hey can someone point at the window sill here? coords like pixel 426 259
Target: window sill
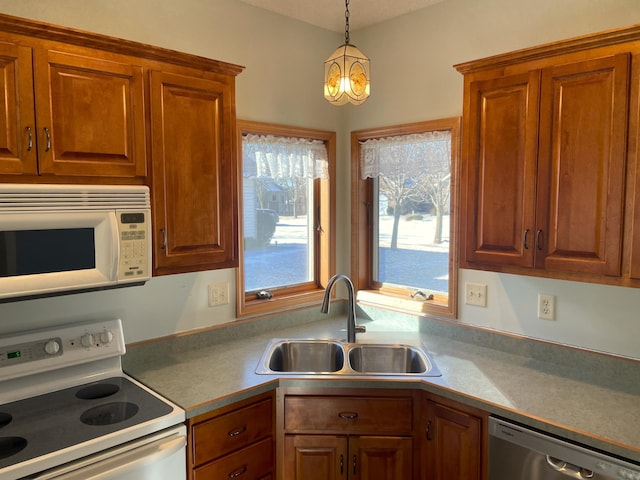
pixel 280 303
pixel 400 303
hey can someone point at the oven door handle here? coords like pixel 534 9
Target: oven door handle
pixel 122 461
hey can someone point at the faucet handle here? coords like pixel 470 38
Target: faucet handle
pixel 361 329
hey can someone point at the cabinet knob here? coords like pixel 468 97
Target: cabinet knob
pixel 524 239
pixel 427 430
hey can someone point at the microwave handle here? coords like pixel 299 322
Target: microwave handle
pixel 115 241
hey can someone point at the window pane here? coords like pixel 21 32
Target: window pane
pixel 412 239
pixel 278 232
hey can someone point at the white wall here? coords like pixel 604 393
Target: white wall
pixel 413 79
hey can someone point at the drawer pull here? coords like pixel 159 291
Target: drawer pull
pixel 427 430
pixel 241 471
pixel 348 415
pixel 237 431
pixel 341 464
pixel 355 463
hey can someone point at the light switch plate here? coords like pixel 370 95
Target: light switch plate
pixel 476 294
pixel 218 294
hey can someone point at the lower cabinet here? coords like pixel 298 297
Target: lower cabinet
pixel 233 442
pixel 453 440
pixel 354 457
pixel 301 433
pixel 364 436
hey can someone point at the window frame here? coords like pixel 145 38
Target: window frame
pixel 363 231
pixel 299 295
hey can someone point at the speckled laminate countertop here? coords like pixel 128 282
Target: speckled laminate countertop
pixel 587 397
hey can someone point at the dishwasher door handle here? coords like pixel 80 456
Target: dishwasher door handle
pixel 568 469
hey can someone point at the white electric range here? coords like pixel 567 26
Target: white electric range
pixel 68 411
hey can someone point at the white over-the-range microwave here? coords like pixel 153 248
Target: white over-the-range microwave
pixel 57 239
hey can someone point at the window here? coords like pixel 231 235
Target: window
pixel 404 191
pixel 287 227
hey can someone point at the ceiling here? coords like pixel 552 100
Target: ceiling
pixel 329 14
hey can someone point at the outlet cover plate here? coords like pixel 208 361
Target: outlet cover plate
pixel 546 306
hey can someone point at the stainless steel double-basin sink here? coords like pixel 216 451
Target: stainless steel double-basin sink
pixel 336 357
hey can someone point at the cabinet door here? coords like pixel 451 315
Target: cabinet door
pixel 498 176
pixel 194 173
pixel 453 444
pixel 380 458
pixel 315 457
pixel 90 115
pixel 582 159
pixel 17 114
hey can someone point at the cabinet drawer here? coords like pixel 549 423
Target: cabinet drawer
pixel 353 415
pixel 226 433
pixel 251 463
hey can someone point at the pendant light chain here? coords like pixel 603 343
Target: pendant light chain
pixel 346 22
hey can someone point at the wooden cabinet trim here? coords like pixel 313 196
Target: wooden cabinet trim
pixel 50 32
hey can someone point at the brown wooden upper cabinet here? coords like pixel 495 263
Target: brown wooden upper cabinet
pixel 547 181
pixel 194 172
pixel 69 111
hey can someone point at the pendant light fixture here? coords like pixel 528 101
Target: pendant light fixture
pixel 346 72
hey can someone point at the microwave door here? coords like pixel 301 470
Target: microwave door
pixel 42 253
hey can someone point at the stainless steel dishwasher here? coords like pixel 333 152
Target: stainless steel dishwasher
pixel 518 453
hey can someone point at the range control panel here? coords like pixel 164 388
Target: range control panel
pixel 48 349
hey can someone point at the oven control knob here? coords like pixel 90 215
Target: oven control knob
pixel 52 347
pixel 106 337
pixel 86 340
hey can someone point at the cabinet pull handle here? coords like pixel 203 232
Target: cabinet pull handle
pixel 524 241
pixel 539 239
pixel 341 464
pixel 427 430
pixel 29 139
pixel 163 234
pixel 348 415
pixel 355 463
pixel 241 471
pixel 47 136
pixel 237 431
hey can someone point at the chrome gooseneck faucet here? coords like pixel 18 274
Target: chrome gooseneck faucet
pixel 351 314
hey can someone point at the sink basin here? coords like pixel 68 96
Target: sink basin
pixel 389 359
pixel 305 356
pixel 335 357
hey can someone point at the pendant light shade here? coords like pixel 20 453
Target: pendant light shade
pixel 346 72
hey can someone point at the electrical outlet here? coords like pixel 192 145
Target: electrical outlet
pixel 546 306
pixel 218 294
pixel 476 294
